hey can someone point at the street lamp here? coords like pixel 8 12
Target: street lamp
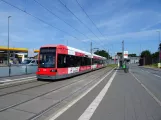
pixel 159 44
pixel 8 41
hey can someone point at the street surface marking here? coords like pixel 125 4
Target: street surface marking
pixel 93 106
pixel 147 71
pixel 16 81
pixel 142 70
pixel 151 73
pixel 150 93
pixel 78 98
pixel 157 75
pixel 9 80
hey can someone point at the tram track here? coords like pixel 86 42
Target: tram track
pixel 55 89
pixel 38 85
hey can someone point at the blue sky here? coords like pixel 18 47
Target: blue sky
pixel 134 21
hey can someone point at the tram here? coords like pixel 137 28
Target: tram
pixel 60 61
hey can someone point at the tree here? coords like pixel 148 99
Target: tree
pixel 159 47
pixel 146 57
pixel 145 53
pixel 155 55
pixel 102 53
pixel 132 55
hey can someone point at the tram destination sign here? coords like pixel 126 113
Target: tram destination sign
pixel 47 50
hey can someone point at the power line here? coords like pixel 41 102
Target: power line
pixel 59 18
pixel 37 18
pixel 78 18
pixel 89 17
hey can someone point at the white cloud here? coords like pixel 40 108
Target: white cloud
pixel 150 26
pixel 141 35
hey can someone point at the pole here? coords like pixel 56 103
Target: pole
pixel 108 56
pixel 91 54
pixel 140 50
pixel 8 48
pixel 122 52
pixel 122 49
pixel 159 44
pixel 8 44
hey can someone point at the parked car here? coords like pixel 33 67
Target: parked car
pixel 30 62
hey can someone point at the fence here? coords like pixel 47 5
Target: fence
pixel 148 61
pixel 17 70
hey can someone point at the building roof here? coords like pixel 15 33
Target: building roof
pixel 4 48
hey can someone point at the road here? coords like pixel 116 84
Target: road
pixel 105 94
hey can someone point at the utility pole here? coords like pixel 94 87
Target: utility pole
pixel 91 54
pixel 159 46
pixel 140 50
pixel 122 50
pixel 108 56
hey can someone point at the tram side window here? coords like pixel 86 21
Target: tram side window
pixel 78 61
pixel 72 61
pixel 87 61
pixel 62 61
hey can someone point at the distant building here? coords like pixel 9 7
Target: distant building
pixel 134 60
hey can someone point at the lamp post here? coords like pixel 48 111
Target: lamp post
pixel 8 49
pixel 8 41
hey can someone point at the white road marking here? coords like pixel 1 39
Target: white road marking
pixel 147 71
pixel 151 73
pixel 6 80
pixel 7 83
pixel 9 80
pixel 157 75
pixel 93 106
pixel 77 99
pixel 150 93
pixel 142 70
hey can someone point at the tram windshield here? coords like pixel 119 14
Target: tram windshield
pixel 47 57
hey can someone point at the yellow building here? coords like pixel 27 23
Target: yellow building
pixel 13 51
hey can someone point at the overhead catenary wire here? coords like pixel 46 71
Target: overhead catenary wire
pixel 60 18
pixel 89 18
pixel 78 19
pixel 38 18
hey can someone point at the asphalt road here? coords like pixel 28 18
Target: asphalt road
pixel 98 95
pixel 131 96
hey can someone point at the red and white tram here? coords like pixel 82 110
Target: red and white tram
pixel 60 61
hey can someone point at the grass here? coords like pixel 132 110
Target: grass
pixel 152 65
pixel 112 65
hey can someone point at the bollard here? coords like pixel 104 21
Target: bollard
pixel 26 69
pixel 9 70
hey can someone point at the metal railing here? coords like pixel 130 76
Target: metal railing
pixel 17 70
